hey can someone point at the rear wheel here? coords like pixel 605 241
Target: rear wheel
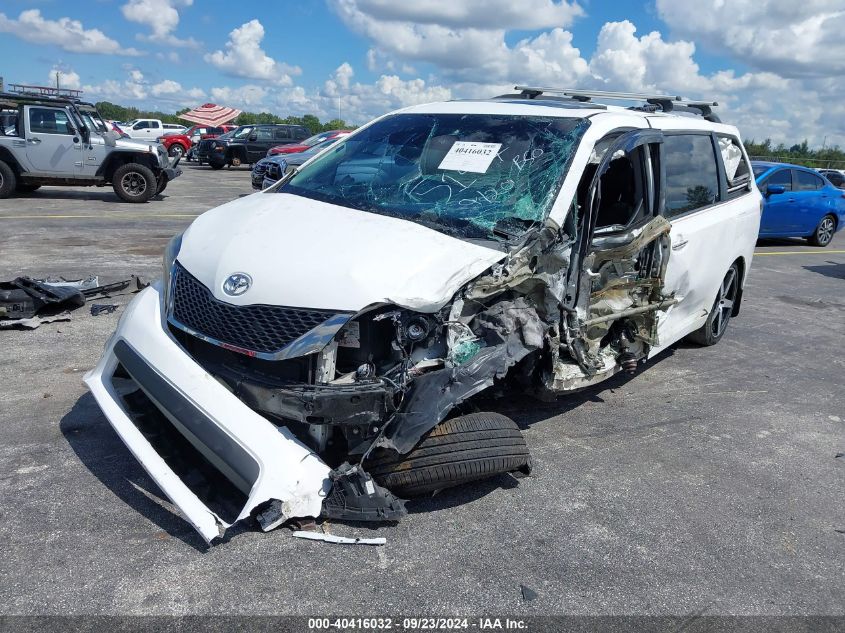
pixel 8 180
pixel 134 183
pixel 717 321
pixel 457 451
pixel 216 165
pixel 823 235
pixel 176 150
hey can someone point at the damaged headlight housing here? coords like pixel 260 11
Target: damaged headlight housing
pixel 168 260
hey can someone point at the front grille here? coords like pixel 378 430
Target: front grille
pixel 259 328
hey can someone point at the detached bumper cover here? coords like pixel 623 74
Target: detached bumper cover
pixel 261 460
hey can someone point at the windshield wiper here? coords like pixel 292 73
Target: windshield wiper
pixel 505 227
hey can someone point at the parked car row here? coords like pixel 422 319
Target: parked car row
pixel 178 144
pixel 269 170
pixel 800 202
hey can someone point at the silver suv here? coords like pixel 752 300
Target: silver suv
pixel 59 140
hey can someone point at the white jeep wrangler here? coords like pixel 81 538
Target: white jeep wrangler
pixel 59 140
pixel 320 347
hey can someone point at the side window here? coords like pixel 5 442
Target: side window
pixel 264 134
pixel 737 172
pixel 302 133
pixel 781 177
pixel 282 134
pixel 141 125
pixel 805 181
pixel 692 179
pixel 155 124
pixel 49 121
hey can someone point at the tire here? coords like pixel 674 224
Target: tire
pixel 217 165
pixel 457 451
pixel 134 183
pixel 25 188
pixel 720 315
pixel 176 150
pixel 823 235
pixel 162 184
pixel 8 180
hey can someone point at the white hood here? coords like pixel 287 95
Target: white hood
pixel 310 254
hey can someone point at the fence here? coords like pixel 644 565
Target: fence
pixel 815 163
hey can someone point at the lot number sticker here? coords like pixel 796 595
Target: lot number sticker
pixel 470 156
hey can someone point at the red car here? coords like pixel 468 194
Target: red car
pixel 179 144
pixel 307 144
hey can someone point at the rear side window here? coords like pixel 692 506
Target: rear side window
pixel 781 177
pixel 282 134
pixel 805 181
pixel 264 134
pixel 737 172
pixel 692 179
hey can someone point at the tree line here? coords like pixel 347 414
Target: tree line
pixel 115 112
pixel 798 154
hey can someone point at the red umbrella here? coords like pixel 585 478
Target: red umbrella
pixel 210 114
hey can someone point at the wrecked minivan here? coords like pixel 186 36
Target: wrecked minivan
pixel 318 349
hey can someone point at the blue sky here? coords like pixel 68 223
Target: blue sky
pixel 369 56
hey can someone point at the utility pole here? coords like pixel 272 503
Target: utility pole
pixel 57 80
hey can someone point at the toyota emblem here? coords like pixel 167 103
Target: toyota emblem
pixel 236 284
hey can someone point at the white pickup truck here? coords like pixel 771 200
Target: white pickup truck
pixel 150 129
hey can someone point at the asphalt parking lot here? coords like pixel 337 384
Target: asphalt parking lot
pixel 706 483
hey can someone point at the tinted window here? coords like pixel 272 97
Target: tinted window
pixel 805 181
pixel 264 134
pixel 692 179
pixel 781 177
pixel 155 124
pixel 282 134
pixel 49 121
pixel 759 170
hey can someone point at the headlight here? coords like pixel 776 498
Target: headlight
pixel 169 259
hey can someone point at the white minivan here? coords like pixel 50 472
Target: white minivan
pixel 319 348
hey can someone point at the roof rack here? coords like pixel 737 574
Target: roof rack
pixel 44 91
pixel 655 102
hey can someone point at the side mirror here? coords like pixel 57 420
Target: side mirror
pixel 774 190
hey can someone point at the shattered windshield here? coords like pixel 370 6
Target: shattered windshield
pixel 476 176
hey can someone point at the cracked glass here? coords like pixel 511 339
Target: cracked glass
pixel 472 176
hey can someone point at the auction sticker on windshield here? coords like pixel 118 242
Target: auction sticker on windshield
pixel 470 156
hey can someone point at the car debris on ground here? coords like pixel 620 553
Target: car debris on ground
pixel 26 303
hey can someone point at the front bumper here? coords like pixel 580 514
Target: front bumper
pixel 263 461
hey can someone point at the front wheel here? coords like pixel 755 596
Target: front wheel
pixel 134 183
pixel 176 150
pixel 455 452
pixel 162 184
pixel 717 321
pixel 823 235
pixel 216 165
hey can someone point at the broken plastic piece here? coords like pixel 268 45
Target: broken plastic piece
pixel 356 497
pixel 24 297
pixel 100 308
pixel 341 540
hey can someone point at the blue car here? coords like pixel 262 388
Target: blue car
pixel 799 202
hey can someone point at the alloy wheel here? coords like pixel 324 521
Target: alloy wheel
pixel 724 303
pixel 825 231
pixel 134 184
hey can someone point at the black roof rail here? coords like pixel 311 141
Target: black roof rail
pixel 655 102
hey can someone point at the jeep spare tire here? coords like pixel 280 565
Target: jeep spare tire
pixel 134 182
pixel 455 452
pixel 8 181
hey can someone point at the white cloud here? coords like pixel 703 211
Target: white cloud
pixel 243 97
pixel 794 40
pixel 173 89
pixel 161 16
pixel 67 78
pixel 244 57
pixel 480 14
pixel 133 88
pixel 66 33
